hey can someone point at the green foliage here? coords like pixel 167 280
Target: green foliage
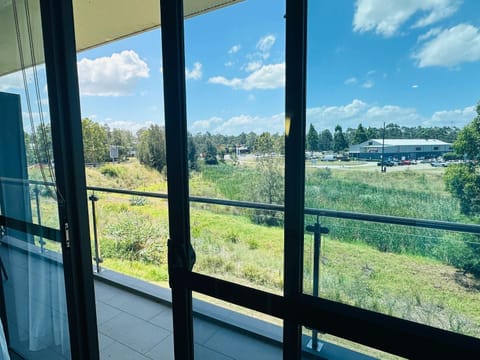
pixel 463 182
pixel 192 153
pixel 151 147
pixel 452 156
pixel 135 237
pixel 138 201
pixel 210 154
pixel 360 135
pixel 95 144
pixel 312 139
pixel 264 144
pixel 110 170
pixel 340 142
pixel 325 140
pixel 468 140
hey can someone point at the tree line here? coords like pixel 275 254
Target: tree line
pixel 148 144
pixel 340 140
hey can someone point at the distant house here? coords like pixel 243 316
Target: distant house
pixel 409 149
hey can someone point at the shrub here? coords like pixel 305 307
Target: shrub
pixel 135 238
pixel 110 171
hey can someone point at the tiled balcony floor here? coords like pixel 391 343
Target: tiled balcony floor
pixel 138 326
pixel 132 327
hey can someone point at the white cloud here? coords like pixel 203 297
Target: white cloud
pixel 385 17
pixel 457 117
pixel 414 86
pixel 195 73
pixel 450 47
pixel 266 43
pixel 229 63
pixel 116 75
pixel 270 76
pixel 429 34
pixel 241 123
pixel 129 125
pixel 234 49
pixel 368 84
pixel 14 81
pixel 327 117
pixel 350 115
pixel 253 65
pixel 351 81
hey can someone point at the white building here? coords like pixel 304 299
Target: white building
pixel 399 149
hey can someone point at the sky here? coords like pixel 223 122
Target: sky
pixel 413 63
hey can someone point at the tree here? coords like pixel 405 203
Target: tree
pixel 312 139
pixel 268 187
pixel 463 182
pixel 264 144
pixel 360 135
pixel 95 144
pixel 124 140
pixel 192 153
pixel 325 140
pixel 210 153
pixel 151 147
pixel 40 144
pixel 340 143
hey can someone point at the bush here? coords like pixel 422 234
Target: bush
pixel 135 238
pixel 110 171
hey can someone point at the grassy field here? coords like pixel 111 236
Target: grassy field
pixel 361 264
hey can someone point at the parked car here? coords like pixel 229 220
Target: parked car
pixel 386 163
pixel 439 164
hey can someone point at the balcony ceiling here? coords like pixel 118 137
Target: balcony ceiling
pixel 96 22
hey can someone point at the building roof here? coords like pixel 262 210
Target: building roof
pixel 404 142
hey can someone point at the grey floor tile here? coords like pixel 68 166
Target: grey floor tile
pixel 105 312
pixel 104 341
pixel 138 306
pixel 105 293
pixel 164 350
pixel 117 351
pixel 134 332
pixel 242 347
pixel 203 330
pixel 203 353
pixel 164 320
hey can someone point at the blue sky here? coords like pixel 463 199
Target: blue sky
pixel 369 61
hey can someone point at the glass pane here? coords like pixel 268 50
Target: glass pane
pixel 224 330
pixel 387 135
pixel 35 317
pixel 235 104
pixel 316 345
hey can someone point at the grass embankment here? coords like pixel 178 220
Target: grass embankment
pixel 133 233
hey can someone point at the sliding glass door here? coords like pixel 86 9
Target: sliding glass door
pixel 46 289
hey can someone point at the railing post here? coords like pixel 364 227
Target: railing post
pixel 39 217
pixel 317 240
pixel 97 258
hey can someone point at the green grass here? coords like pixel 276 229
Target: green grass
pixel 358 263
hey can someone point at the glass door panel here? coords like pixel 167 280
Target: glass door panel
pixel 32 297
pixel 387 225
pixel 235 82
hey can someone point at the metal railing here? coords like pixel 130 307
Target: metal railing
pixel 313 228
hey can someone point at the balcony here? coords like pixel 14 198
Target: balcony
pixel 135 322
